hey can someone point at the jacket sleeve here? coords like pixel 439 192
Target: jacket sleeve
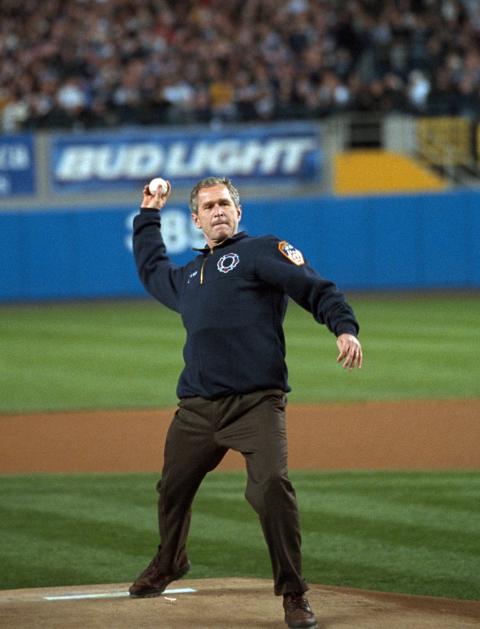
pixel 162 279
pixel 305 286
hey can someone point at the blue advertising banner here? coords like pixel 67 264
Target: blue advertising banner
pixel 102 161
pixel 17 165
pixel 87 253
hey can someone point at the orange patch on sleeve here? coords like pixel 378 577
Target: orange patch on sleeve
pixel 289 251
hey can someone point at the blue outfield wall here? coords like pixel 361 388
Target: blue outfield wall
pixel 362 243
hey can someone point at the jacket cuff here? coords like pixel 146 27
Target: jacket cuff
pixel 346 328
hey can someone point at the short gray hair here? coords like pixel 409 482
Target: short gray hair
pixel 207 183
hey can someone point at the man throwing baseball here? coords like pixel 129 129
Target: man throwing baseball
pixel 232 298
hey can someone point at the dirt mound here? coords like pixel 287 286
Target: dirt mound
pixel 226 604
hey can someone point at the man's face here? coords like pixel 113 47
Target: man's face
pixel 218 216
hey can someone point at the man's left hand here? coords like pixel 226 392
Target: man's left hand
pixel 350 351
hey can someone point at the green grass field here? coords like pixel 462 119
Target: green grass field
pixel 406 532
pixel 403 532
pixel 128 354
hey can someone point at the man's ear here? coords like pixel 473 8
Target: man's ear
pixel 195 220
pixel 239 210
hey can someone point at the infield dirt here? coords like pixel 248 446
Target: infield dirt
pixel 371 435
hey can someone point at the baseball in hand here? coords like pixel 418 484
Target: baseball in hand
pixel 155 183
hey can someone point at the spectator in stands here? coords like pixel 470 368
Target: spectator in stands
pixel 105 62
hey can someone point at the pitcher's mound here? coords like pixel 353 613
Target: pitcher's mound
pixel 225 604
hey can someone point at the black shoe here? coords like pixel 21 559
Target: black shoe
pixel 298 612
pixel 152 582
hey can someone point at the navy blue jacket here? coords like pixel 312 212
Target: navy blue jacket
pixel 232 300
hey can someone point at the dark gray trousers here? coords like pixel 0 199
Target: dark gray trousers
pixel 199 436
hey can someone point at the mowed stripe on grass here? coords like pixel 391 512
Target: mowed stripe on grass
pixel 412 532
pixel 128 354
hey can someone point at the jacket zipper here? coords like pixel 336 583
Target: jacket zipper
pixel 203 265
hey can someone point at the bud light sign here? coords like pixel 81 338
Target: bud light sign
pixel 255 154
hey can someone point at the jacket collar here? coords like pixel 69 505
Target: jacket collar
pixel 224 243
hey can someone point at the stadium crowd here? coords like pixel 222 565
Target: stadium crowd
pixel 101 63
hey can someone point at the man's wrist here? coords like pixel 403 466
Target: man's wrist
pixel 346 330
